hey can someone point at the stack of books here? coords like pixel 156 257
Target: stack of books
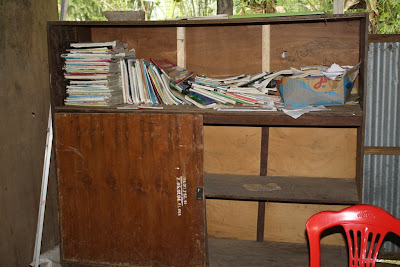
pixel 148 82
pixel 94 74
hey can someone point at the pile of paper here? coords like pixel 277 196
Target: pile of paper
pixel 94 74
pixel 242 92
pixel 253 91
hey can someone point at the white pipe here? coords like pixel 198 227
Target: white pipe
pixel 43 192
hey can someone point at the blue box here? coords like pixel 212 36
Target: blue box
pixel 301 92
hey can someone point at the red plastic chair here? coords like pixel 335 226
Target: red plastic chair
pixel 365 225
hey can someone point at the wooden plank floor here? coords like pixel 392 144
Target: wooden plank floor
pixel 242 253
pixel 235 253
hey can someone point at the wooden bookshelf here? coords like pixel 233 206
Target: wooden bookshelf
pixel 102 181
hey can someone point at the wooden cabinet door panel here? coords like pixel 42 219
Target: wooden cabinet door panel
pixel 127 188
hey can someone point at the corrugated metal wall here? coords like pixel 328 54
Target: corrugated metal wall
pixel 381 172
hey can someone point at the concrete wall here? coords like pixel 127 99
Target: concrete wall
pixel 24 105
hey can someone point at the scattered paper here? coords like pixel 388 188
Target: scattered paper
pixel 150 106
pixel 129 106
pixel 269 106
pixel 334 71
pixel 297 112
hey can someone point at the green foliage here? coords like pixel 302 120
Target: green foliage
pixel 306 5
pixel 385 13
pixel 389 16
pixel 183 8
pixel 83 10
pixel 282 6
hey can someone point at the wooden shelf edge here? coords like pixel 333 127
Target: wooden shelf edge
pixel 338 117
pixel 309 190
pixel 376 150
pixel 205 22
pixel 284 200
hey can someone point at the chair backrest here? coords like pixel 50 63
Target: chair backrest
pixel 365 226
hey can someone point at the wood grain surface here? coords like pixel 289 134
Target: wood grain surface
pixel 315 44
pixel 232 219
pixel 156 42
pixel 313 152
pixel 224 51
pixel 235 150
pixel 117 178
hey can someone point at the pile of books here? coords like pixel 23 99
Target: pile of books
pixel 94 74
pixel 105 74
pixel 244 91
pixel 152 82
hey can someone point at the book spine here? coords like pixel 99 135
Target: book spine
pixel 145 90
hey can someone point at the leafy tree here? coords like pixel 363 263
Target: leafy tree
pixel 384 14
pixel 389 16
pixel 82 10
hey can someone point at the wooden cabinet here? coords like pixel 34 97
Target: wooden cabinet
pixel 128 188
pixel 120 172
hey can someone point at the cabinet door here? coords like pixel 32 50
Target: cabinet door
pixel 128 187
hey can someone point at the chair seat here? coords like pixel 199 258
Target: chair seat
pixel 365 226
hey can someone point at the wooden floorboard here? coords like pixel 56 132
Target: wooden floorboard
pixel 235 253
pixel 243 253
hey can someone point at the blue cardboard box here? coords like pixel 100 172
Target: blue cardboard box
pixel 301 92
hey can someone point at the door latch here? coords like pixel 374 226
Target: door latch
pixel 199 193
